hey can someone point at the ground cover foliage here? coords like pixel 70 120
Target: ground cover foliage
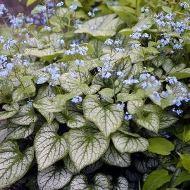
pixel 95 95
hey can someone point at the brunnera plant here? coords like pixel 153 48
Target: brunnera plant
pixel 90 88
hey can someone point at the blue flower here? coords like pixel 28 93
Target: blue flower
pixel 171 80
pixel 79 62
pixel 130 81
pixel 3 9
pixel 106 75
pixel 60 4
pixel 2 40
pixel 16 22
pixel 77 99
pixel 9 44
pixel 184 5
pixel 128 116
pixel 177 111
pixel 136 35
pixel 73 7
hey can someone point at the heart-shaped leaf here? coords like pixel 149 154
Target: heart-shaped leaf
pixel 53 178
pixel 124 143
pixel 122 184
pixel 160 145
pixel 156 179
pixel 25 116
pixel 49 146
pixel 115 158
pixel 86 145
pixel 13 163
pixel 150 122
pixel 101 26
pixel 107 118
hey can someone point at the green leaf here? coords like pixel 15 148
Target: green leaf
pixel 122 184
pixel 150 122
pixel 53 178
pixel 107 118
pixel 182 177
pixel 160 145
pixel 25 116
pixel 156 179
pixel 30 2
pixel 86 146
pixel 101 26
pixel 25 90
pixel 49 146
pixel 185 160
pixel 125 143
pixel 115 158
pixel 13 163
pixel 185 73
pixel 10 111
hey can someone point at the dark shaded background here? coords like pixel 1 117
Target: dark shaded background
pixel 16 6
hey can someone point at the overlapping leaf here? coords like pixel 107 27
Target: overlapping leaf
pixel 49 146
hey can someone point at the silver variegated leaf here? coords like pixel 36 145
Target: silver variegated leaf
pixel 19 131
pixel 122 184
pixel 49 146
pixel 134 106
pixel 86 145
pixel 13 163
pixel 150 122
pixel 102 182
pixel 115 158
pixel 69 165
pixel 166 120
pixel 25 116
pixel 79 182
pixel 25 90
pixel 107 118
pixel 9 111
pixel 101 26
pixel 53 178
pixel 76 120
pixel 124 143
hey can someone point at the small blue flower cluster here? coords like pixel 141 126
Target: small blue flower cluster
pixel 138 35
pixel 184 5
pixel 128 116
pixel 79 62
pixel 77 99
pixel 148 81
pixel 16 22
pixel 130 81
pixel 3 9
pixel 54 72
pixel 106 69
pixel 115 44
pixel 76 49
pixel 5 67
pixel 92 13
pixel 177 111
pixel 168 20
pixel 9 44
